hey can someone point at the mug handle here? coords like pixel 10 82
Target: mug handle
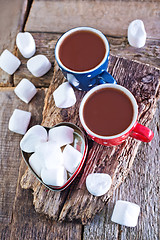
pixel 142 133
pixel 105 77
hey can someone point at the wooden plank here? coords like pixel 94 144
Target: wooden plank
pixel 45 44
pixel 149 54
pixel 143 82
pixel 111 17
pixel 11 21
pixel 10 156
pixel 141 186
pixel 28 224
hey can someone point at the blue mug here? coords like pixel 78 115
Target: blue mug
pixel 85 80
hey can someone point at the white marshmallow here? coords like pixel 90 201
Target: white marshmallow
pixel 98 183
pixel 8 62
pixel 64 96
pixel 25 90
pixel 125 213
pixel 19 121
pixel 34 136
pixel 54 177
pixel 72 157
pixel 62 135
pixel 36 164
pixel 38 65
pixel 136 34
pixel 50 154
pixel 26 44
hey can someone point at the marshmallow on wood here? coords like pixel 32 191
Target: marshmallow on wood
pixel 125 213
pixel 38 65
pixel 25 90
pixel 26 44
pixel 71 157
pixel 36 164
pixel 19 121
pixel 34 136
pixel 98 183
pixel 62 135
pixel 54 177
pixel 50 154
pixel 8 62
pixel 136 34
pixel 64 96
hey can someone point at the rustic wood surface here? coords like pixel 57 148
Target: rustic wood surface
pixel 111 17
pixel 18 218
pixel 77 203
pixel 10 24
pixel 10 156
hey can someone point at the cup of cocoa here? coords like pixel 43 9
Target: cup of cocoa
pixel 82 55
pixel 109 113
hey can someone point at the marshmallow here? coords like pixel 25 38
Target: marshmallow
pixel 98 183
pixel 8 62
pixel 54 177
pixel 50 154
pixel 36 164
pixel 34 136
pixel 25 90
pixel 64 96
pixel 38 65
pixel 19 121
pixel 72 157
pixel 26 44
pixel 125 213
pixel 136 34
pixel 62 135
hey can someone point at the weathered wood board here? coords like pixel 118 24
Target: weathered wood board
pixel 75 203
pixel 111 17
pixel 11 22
pixel 10 155
pixel 31 225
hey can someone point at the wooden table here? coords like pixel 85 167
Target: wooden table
pixel 47 20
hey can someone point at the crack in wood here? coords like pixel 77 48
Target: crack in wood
pixel 28 6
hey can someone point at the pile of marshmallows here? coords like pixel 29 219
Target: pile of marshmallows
pixel 48 160
pixel 44 145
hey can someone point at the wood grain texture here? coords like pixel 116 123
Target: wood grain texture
pixel 111 17
pixel 76 203
pixel 10 24
pixel 149 54
pixel 10 156
pixel 31 225
pixel 142 187
pixel 9 143
pixel 45 44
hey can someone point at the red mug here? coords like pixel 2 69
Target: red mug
pixel 134 129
